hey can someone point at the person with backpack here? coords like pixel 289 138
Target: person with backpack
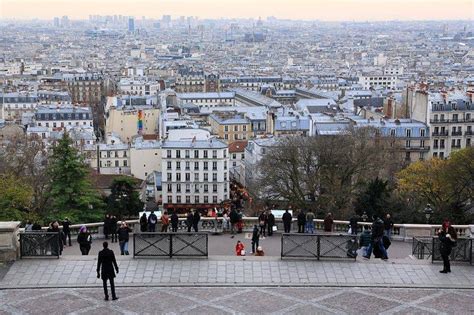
pixel 196 219
pixel 124 236
pixel 301 221
pixel 377 238
pixel 143 223
pixel 287 218
pixel 165 222
pixel 234 219
pixel 255 238
pixel 365 238
pixel 152 220
pixel 174 222
pixel 84 239
pixel 189 221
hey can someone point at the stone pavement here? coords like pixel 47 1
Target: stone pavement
pixel 77 271
pixel 238 300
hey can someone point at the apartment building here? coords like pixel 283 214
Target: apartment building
pixel 56 117
pixel 230 126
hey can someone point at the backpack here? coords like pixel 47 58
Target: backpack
pixel 153 219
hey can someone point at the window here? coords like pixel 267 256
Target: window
pixel 188 188
pixel 196 166
pixel 178 199
pixel 116 163
pixel 186 154
pixel 187 165
pixel 170 188
pixel 214 199
pixel 170 199
pixel 422 132
pixel 196 188
pixel 178 177
pixel 196 199
pixel 206 199
pixel 408 132
pixel 168 165
pixel 441 144
pixel 187 177
pixel 468 117
pixel 196 154
pixel 206 177
pixel 188 199
pixel 225 165
pixel 214 166
pixel 407 143
pixel 244 127
pixel 214 188
pixel 196 177
pixel 205 154
pixel 225 153
pixel 168 154
pixel 206 188
pixel 178 165
pixel 214 154
pixel 214 177
pixel 225 176
pixel 178 187
pixel 168 177
pixel 125 163
pixel 226 128
pixel 206 165
pixel 234 156
pixel 455 117
pixel 178 154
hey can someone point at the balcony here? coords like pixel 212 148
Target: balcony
pixel 440 133
pixel 468 133
pixel 439 121
pixel 413 148
pixel 456 133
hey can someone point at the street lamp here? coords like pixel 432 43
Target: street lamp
pixel 428 212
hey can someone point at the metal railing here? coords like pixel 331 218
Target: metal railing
pixel 461 253
pixel 334 246
pixel 40 244
pixel 422 247
pixel 170 245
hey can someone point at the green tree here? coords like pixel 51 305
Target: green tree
pixel 71 191
pixel 374 199
pixel 124 201
pixel 15 199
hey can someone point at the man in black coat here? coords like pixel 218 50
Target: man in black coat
pixel 107 261
pixel 174 222
pixel 301 221
pixel 287 218
pixel 270 222
pixel 67 231
pixel 196 219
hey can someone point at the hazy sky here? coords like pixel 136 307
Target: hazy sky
pixel 293 9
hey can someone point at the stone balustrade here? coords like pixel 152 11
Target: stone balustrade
pixel 9 243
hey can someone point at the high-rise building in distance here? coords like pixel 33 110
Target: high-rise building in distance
pixel 131 24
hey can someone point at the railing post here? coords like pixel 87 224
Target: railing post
pixel 207 245
pixel 171 245
pixel 134 247
pixel 281 245
pixel 318 246
pixel 432 249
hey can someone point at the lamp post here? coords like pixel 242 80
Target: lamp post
pixel 428 212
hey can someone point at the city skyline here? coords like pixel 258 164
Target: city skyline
pixel 338 10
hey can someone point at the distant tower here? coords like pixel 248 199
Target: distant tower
pixel 131 24
pixel 56 22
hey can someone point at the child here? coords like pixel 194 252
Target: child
pixel 240 249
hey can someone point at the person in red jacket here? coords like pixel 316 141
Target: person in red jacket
pixel 240 249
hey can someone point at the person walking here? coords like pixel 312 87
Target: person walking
pixel 28 226
pixel 189 221
pixel 196 219
pixel 328 223
pixel 107 226
pixel 143 223
pixel 353 223
pixel 174 222
pixel 287 219
pixel 301 219
pixel 56 247
pixel 123 237
pixel 255 238
pixel 447 240
pixel 152 220
pixel 67 231
pixel 113 228
pixel 271 222
pixel 84 239
pixel 388 226
pixel 234 219
pixel 263 221
pixel 365 238
pixel 165 222
pixel 377 239
pixel 310 221
pixel 105 269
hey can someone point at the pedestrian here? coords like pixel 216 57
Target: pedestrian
pixel 447 240
pixel 84 239
pixel 377 238
pixel 36 227
pixel 67 231
pixel 56 247
pixel 287 218
pixel 353 223
pixel 152 220
pixel 234 219
pixel 240 249
pixel 255 238
pixel 328 223
pixel 364 216
pixel 165 222
pixel 310 221
pixel 196 219
pixel 28 226
pixel 263 221
pixel 388 226
pixel 365 238
pixel 143 223
pixel 105 269
pixel 113 228
pixel 225 221
pixel 174 222
pixel 107 226
pixel 260 251
pixel 189 220
pixel 123 237
pixel 271 222
pixel 301 221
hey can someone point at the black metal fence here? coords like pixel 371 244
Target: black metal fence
pixel 461 253
pixel 422 247
pixel 319 246
pixel 170 245
pixel 40 244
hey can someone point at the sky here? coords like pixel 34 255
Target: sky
pixel 326 10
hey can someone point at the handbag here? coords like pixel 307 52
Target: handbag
pixel 274 228
pixel 242 252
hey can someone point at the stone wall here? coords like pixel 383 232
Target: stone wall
pixel 9 243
